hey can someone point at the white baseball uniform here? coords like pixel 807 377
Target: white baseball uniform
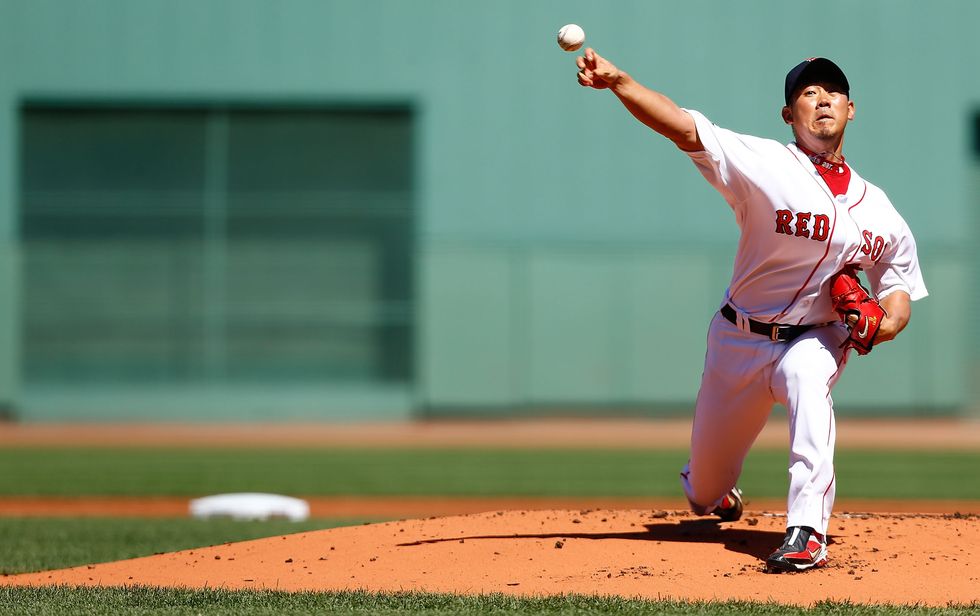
pixel 795 234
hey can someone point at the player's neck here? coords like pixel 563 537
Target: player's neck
pixel 832 169
pixel 831 149
pixel 824 157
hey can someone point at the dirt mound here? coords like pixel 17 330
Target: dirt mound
pixel 926 559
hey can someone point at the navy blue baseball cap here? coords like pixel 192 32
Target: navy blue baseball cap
pixel 820 69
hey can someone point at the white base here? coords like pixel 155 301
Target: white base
pixel 250 506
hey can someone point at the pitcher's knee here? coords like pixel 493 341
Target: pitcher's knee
pixel 701 495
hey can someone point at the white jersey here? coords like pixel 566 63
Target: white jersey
pixel 795 234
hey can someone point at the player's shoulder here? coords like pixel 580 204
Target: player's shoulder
pixel 877 199
pixel 765 144
pixel 873 193
pixel 725 135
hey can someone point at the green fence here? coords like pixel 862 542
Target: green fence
pixel 318 210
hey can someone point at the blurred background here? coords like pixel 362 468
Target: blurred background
pixel 392 209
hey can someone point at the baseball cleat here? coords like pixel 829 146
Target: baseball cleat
pixel 731 507
pixel 802 549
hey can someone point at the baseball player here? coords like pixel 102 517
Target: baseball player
pixel 794 306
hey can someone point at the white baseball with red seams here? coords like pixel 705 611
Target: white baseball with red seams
pixel 795 234
pixel 571 37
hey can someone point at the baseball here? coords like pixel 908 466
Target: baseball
pixel 571 37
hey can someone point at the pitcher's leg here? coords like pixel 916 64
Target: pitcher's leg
pixel 802 381
pixel 732 407
pixel 720 440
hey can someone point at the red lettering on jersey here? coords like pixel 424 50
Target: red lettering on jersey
pixel 878 248
pixel 866 247
pixel 799 225
pixel 783 218
pixel 802 220
pixel 873 246
pixel 821 227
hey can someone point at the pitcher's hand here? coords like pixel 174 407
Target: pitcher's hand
pixel 595 71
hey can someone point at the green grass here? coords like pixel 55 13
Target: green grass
pixel 139 600
pixel 469 472
pixel 38 544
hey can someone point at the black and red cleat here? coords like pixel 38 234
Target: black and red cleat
pixel 802 549
pixel 731 506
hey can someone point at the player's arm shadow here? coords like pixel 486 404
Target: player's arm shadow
pixel 756 543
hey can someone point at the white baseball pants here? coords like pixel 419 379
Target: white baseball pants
pixel 745 374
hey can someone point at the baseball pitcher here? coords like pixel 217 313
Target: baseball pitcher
pixel 795 306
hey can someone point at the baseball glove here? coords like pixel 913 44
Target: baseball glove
pixel 857 309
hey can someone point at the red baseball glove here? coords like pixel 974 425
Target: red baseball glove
pixel 857 309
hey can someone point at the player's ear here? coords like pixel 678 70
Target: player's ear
pixel 850 110
pixel 787 115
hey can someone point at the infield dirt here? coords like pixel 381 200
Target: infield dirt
pixel 875 558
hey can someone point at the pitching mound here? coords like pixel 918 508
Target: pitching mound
pixel 924 559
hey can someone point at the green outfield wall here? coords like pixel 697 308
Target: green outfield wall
pixel 243 209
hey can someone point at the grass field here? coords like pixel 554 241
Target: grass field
pixel 37 544
pixel 43 543
pixel 449 472
pixel 109 602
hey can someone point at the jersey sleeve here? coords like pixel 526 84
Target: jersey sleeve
pixel 727 161
pixel 898 269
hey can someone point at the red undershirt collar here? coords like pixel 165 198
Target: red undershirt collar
pixel 836 175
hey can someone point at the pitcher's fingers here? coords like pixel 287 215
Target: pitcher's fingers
pixel 590 56
pixel 580 62
pixel 583 80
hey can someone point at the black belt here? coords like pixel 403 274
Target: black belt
pixel 772 331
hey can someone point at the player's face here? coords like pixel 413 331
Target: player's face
pixel 819 113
